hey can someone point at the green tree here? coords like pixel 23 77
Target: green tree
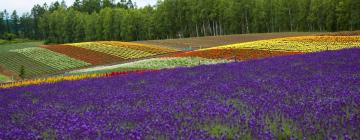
pixel 2 23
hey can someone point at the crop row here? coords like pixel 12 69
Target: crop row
pixel 233 54
pixel 292 45
pixel 156 63
pixel 50 58
pixel 8 47
pixel 52 80
pixel 86 55
pixel 13 61
pixel 142 47
pixel 49 80
pixel 122 52
pixel 343 39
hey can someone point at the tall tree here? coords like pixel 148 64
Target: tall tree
pixel 2 23
pixel 88 20
pixel 37 12
pixel 15 22
pixel 7 22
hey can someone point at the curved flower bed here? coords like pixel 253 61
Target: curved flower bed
pixel 232 54
pixel 52 80
pixel 299 44
pixel 156 63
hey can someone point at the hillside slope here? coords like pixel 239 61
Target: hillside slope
pixel 195 43
pixel 302 96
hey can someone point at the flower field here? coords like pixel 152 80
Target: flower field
pixel 122 51
pixel 86 55
pixel 309 96
pixel 299 44
pixel 51 80
pixel 155 63
pixel 50 58
pixel 232 54
pixel 39 60
pixel 136 46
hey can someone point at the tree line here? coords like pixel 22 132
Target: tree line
pixel 89 20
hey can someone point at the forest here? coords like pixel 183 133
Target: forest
pixel 91 20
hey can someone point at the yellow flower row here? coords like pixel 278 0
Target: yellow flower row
pixel 50 80
pixel 143 47
pixel 298 44
pixel 345 39
pixel 122 52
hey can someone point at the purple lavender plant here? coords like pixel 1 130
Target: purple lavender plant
pixel 311 96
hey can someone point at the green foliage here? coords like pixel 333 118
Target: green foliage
pixel 22 72
pixel 9 36
pixel 15 41
pixel 49 134
pixel 283 128
pixel 90 20
pixel 3 78
pixel 222 131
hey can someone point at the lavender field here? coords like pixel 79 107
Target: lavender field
pixel 309 96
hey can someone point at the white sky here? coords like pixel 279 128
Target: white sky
pixel 22 6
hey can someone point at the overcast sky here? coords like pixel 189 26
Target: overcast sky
pixel 22 6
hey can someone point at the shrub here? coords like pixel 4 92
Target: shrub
pixel 9 36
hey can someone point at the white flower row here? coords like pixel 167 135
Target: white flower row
pixel 157 63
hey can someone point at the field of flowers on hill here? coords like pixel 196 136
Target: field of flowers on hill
pixel 274 47
pixel 237 52
pixel 40 60
pixel 307 96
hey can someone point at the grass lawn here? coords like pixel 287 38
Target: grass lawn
pixel 3 78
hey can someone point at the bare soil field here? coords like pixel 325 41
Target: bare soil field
pixel 213 41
